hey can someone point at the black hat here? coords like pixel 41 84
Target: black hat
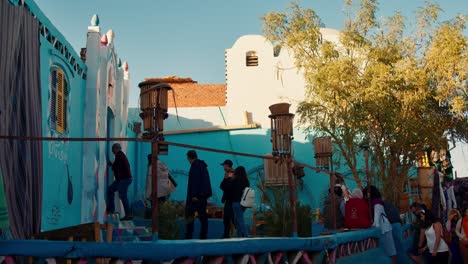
pixel 227 162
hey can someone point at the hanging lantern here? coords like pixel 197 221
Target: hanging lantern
pixel 275 172
pixel 323 150
pixel 154 105
pixel 281 129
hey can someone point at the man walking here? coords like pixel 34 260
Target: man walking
pixel 198 191
pixel 123 178
pixel 228 215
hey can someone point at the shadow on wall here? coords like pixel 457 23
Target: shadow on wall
pixel 252 141
pixel 171 123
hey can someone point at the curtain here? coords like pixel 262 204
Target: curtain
pixel 20 115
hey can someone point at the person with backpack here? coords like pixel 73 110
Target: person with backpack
pixel 393 215
pixel 381 221
pixel 356 211
pixel 233 189
pixel 198 192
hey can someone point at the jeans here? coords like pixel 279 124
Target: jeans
pixel 228 218
pixel 440 258
pixel 455 251
pixel 121 186
pixel 190 208
pixel 239 220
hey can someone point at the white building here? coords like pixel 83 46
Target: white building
pixel 257 77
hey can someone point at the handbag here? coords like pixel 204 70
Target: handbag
pixel 172 180
pixel 446 235
pixel 248 197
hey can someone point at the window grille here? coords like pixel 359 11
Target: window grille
pixel 58 100
pixel 251 59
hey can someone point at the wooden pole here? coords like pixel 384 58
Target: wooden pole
pixel 292 195
pixel 154 174
pixel 366 156
pixel 154 188
pixel 332 192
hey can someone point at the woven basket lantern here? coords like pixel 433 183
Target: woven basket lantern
pixel 323 150
pixel 276 172
pixel 153 99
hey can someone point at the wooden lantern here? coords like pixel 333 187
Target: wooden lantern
pixel 323 150
pixel 276 172
pixel 154 104
pixel 281 129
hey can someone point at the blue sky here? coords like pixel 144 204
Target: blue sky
pixel 188 38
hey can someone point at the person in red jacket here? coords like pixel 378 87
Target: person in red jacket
pixel 357 211
pixel 123 178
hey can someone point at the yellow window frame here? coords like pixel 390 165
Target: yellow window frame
pixel 60 93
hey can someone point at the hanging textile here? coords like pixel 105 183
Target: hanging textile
pixel 3 207
pixel 436 194
pixel 20 115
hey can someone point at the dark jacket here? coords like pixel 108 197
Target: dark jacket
pixel 229 171
pixel 327 213
pixel 199 184
pixel 233 189
pixel 121 167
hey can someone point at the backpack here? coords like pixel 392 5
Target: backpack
pixel 391 212
pixel 248 197
pixel 356 214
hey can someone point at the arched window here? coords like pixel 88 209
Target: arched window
pixel 58 100
pixel 251 58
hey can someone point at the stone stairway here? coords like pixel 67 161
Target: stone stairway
pixel 129 231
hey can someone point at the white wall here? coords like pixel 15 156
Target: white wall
pixel 101 59
pixel 274 80
pixel 460 159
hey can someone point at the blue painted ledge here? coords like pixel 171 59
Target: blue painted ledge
pixel 172 249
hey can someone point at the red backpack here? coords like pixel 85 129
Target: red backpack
pixel 357 214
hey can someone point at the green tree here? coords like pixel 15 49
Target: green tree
pixel 399 88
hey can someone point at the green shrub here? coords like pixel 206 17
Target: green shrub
pixel 278 220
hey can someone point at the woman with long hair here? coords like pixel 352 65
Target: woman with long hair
pixel 233 189
pixel 165 185
pixel 432 232
pixel 381 221
pixel 454 220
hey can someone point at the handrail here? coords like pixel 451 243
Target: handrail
pixel 174 249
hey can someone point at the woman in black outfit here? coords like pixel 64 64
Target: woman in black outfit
pixel 233 188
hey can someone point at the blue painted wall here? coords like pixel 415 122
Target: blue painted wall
pixel 311 188
pixel 57 156
pixel 65 199
pixel 62 166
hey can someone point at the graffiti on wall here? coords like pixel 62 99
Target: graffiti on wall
pixel 54 215
pixel 58 150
